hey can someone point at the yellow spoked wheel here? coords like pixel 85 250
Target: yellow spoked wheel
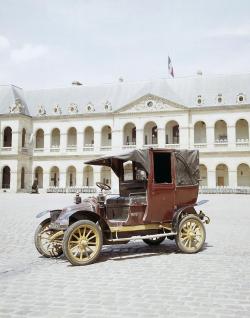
pixel 44 245
pixel 191 234
pixel 82 242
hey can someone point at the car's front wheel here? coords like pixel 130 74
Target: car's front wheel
pixel 191 234
pixel 82 242
pixel 43 243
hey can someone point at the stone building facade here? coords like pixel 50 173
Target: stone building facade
pixel 49 134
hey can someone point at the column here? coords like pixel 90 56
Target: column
pixel 79 177
pixel 63 142
pixel 79 141
pixel 97 138
pixel 161 137
pixel 139 138
pixel 15 141
pixel 231 135
pixel 117 140
pixel 13 180
pixel 184 140
pixel 211 178
pixel 46 142
pixel 114 183
pixel 191 137
pixel 210 136
pixel 46 179
pixel 62 178
pixel 97 174
pixel 232 175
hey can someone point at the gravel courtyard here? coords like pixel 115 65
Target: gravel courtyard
pixel 132 280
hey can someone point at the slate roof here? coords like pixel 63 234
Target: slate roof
pixel 182 91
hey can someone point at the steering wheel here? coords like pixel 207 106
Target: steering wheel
pixel 103 186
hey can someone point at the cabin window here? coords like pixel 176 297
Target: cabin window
pixel 162 167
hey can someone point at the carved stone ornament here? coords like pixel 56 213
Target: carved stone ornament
pixel 90 108
pixel 149 104
pixel 57 110
pixel 41 111
pixel 17 108
pixel 107 106
pixel 73 108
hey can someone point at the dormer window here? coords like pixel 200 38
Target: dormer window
pixel 90 107
pixel 241 98
pixel 57 110
pixel 107 106
pixel 219 98
pixel 41 111
pixel 73 109
pixel 199 100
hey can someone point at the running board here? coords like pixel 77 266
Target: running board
pixel 141 237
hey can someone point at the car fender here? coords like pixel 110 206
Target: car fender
pixel 187 208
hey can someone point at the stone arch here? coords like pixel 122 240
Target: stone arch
pixel 243 175
pixel 220 131
pixel 150 133
pixel 55 138
pixel 106 175
pixel 39 138
pixel 23 138
pixel 22 178
pixel 72 137
pixel 129 134
pixel 7 137
pixel 106 136
pixel 242 130
pixel 54 176
pixel 6 175
pixel 38 174
pixel 172 132
pixel 222 175
pixel 200 134
pixel 88 176
pixel 71 177
pixel 89 136
pixel 203 175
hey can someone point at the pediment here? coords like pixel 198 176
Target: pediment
pixel 150 103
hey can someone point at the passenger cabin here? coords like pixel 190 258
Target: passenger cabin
pixel 152 184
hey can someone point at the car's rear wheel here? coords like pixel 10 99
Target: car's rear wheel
pixel 82 242
pixel 154 241
pixel 191 234
pixel 43 242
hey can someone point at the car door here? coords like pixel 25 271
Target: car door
pixel 161 190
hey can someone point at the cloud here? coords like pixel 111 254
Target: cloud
pixel 28 52
pixel 4 43
pixel 236 32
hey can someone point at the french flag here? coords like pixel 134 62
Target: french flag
pixel 170 67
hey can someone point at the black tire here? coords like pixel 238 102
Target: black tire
pixel 191 234
pixel 45 248
pixel 154 241
pixel 82 242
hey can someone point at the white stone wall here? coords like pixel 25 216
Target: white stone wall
pixel 233 151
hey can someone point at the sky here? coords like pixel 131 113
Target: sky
pixel 48 44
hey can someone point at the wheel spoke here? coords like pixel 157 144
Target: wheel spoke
pixel 90 238
pixel 90 231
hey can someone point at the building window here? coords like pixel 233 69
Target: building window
pixel 199 100
pixel 240 98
